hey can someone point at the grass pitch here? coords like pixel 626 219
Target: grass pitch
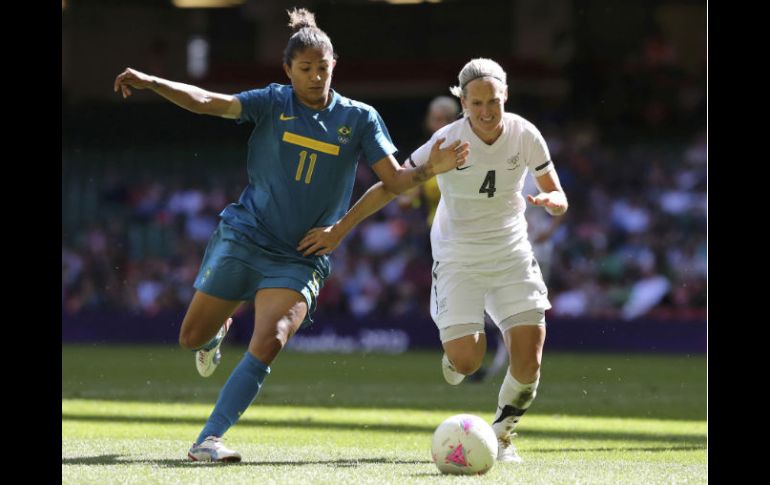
pixel 130 413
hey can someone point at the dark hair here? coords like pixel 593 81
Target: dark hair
pixel 306 34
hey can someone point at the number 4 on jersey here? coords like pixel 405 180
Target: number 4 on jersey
pixel 488 186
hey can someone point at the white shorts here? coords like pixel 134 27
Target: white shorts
pixel 461 293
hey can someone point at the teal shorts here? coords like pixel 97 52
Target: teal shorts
pixel 234 268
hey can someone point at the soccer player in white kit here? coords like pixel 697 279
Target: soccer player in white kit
pixel 540 228
pixel 483 259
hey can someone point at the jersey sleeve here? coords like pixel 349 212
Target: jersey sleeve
pixel 254 104
pixel 376 142
pixel 536 150
pixel 421 155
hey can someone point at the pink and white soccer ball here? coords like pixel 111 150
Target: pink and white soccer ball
pixel 464 444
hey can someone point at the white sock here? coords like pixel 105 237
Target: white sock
pixel 512 402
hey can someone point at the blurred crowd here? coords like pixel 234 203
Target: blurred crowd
pixel 634 240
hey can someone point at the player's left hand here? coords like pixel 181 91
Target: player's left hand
pixel 554 202
pixel 319 241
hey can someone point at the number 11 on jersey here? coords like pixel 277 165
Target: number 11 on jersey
pixel 311 166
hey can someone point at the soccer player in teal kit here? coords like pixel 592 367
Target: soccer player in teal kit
pixel 302 158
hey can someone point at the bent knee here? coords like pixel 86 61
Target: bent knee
pixel 274 343
pixel 191 340
pixel 527 372
pixel 467 366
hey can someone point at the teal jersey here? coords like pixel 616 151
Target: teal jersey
pixel 302 166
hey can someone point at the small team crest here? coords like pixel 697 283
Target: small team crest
pixel 343 134
pixel 513 162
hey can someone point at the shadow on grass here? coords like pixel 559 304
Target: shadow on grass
pixel 393 428
pixel 346 463
pixel 623 385
pixel 438 400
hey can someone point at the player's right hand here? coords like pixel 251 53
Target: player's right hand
pixel 319 241
pixel 131 78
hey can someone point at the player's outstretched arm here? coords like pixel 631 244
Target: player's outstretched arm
pixel 399 179
pixel 187 96
pixel 323 240
pixel 394 180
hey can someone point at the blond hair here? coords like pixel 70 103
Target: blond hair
pixel 475 69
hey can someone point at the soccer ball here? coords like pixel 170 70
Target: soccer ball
pixel 464 444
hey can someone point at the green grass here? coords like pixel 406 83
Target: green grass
pixel 129 414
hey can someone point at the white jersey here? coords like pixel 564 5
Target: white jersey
pixel 480 218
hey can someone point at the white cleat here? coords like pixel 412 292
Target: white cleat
pixel 212 449
pixel 206 361
pixel 506 452
pixel 450 374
